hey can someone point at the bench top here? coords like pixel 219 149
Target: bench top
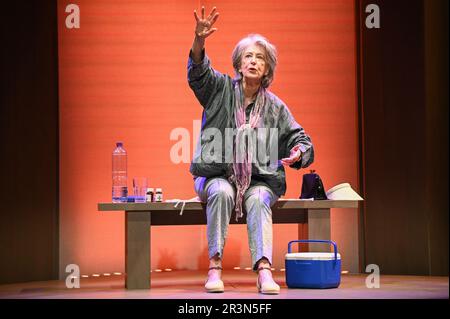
pixel 281 204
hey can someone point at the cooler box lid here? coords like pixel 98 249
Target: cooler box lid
pixel 311 256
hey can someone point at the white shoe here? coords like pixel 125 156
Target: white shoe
pixel 214 285
pixel 268 286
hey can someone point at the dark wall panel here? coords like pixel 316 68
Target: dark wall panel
pixel 396 142
pixel 436 77
pixel 29 148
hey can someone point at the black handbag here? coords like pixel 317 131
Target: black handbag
pixel 312 187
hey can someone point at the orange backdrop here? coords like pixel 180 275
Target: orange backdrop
pixel 123 77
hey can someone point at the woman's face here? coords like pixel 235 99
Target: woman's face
pixel 253 63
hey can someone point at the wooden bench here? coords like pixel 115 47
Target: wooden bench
pixel 139 217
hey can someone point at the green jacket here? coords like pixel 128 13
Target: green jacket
pixel 215 92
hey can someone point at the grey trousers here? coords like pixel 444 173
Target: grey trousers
pixel 219 195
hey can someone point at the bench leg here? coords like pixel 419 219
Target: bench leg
pixel 319 228
pixel 137 250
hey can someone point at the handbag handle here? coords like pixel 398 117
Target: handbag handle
pixel 314 241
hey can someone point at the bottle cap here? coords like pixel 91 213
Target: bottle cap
pixel 159 190
pixel 149 189
pixel 119 144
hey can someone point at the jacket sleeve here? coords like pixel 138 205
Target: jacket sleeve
pixel 292 134
pixel 204 81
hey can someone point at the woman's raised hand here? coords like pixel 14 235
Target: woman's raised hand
pixel 204 25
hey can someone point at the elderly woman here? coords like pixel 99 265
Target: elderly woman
pixel 231 176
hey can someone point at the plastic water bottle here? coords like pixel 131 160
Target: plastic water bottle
pixel 119 174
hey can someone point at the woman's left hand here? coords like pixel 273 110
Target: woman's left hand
pixel 295 155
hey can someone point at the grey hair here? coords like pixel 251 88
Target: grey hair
pixel 271 56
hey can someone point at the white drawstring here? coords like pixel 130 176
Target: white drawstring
pixel 182 206
pixel 183 201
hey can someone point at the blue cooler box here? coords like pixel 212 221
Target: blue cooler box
pixel 313 269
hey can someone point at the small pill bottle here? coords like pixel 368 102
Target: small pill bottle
pixel 149 195
pixel 158 195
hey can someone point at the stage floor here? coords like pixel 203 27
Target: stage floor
pixel 239 284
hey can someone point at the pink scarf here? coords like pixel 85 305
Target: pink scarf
pixel 244 145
